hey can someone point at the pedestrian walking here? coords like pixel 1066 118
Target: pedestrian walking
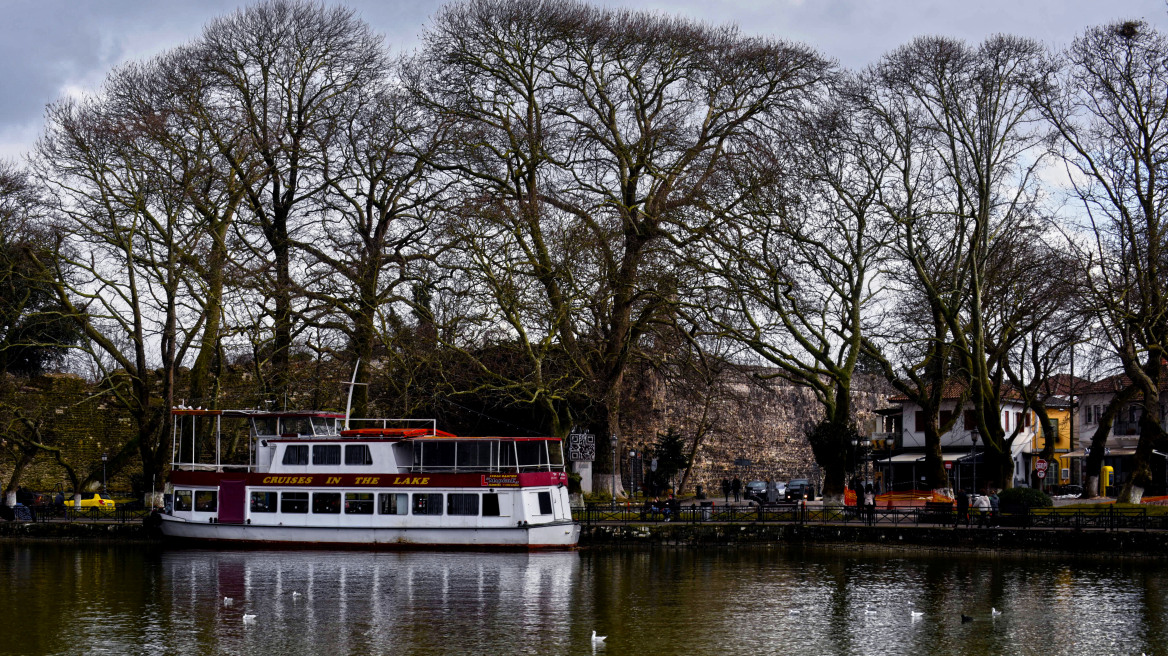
pixel 736 488
pixel 995 503
pixel 870 504
pixel 726 489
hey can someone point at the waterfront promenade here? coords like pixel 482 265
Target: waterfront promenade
pixel 1130 532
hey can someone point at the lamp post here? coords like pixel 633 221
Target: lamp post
pixel 104 458
pixel 614 468
pixel 973 451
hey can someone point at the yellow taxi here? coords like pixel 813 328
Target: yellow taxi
pixel 96 500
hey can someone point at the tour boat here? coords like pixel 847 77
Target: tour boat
pixel 309 479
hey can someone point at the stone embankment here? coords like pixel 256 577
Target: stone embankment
pixel 1122 543
pixel 1046 541
pixel 128 532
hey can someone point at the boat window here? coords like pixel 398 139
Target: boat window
pixel 427 504
pixel 263 502
pixel 532 454
pixel 462 504
pixel 322 426
pixel 545 503
pixel 326 503
pixel 474 455
pixel 182 500
pixel 556 453
pixel 393 503
pixel 490 505
pixel 265 425
pixel 507 456
pixel 326 454
pixel 206 500
pixel 296 454
pixel 358 454
pixel 359 503
pixel 294 502
pixel 295 426
pixel 434 456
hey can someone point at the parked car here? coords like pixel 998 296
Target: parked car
pixel 97 500
pixel 755 490
pixel 799 489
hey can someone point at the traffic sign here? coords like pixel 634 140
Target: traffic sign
pixel 1040 465
pixel 948 464
pixel 1041 473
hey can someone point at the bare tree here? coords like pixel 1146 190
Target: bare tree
pixel 378 225
pixel 796 266
pixel 1109 104
pixel 597 137
pixel 284 77
pixel 964 142
pixel 128 237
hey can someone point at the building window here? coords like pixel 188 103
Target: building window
pixel 326 503
pixel 294 502
pixel 296 454
pixel 358 454
pixel 263 502
pixel 969 419
pixel 206 501
pixel 326 454
pixel 545 503
pixel 358 503
pixel 393 503
pixel 490 505
pixel 945 417
pixel 921 420
pixel 427 504
pixel 462 504
pixel 182 500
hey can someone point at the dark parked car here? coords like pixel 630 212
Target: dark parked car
pixel 800 488
pixel 755 490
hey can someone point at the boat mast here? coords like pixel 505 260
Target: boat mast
pixel 352 384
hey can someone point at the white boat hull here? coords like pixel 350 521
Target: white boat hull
pixel 554 535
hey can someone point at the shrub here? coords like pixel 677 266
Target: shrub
pixel 1027 497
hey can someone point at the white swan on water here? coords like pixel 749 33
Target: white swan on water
pixel 596 638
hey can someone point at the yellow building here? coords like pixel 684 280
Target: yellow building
pixel 1058 469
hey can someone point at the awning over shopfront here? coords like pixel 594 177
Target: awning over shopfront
pixel 920 457
pixel 1082 453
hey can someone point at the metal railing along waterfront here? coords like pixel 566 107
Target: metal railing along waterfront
pixel 54 513
pixel 1104 518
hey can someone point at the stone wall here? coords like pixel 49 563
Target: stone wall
pixel 76 420
pixel 751 417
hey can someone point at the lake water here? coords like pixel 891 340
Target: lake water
pixel 133 600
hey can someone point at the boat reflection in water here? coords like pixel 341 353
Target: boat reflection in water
pixel 350 602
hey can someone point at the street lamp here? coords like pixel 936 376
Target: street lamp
pixel 104 458
pixel 973 452
pixel 614 468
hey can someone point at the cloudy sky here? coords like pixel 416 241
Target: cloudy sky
pixel 53 47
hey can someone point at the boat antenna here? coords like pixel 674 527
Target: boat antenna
pixel 353 383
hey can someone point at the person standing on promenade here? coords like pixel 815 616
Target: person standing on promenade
pixel 995 504
pixel 983 510
pixel 726 489
pixel 962 509
pixel 736 487
pixel 870 504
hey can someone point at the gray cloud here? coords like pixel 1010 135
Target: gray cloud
pixel 49 47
